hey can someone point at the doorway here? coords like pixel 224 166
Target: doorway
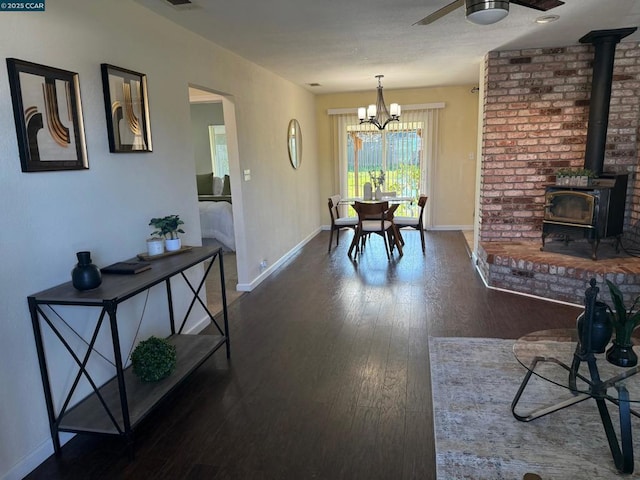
pixel 215 163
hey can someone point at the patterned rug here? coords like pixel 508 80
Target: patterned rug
pixel 474 381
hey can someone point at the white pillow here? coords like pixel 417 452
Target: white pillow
pixel 217 185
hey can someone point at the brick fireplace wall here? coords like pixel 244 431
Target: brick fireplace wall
pixel 536 109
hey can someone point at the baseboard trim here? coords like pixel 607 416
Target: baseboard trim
pixel 450 227
pixel 32 461
pixel 198 326
pixel 247 287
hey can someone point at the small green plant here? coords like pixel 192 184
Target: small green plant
pixel 575 172
pixel 585 172
pixel 168 226
pixel 153 359
pixel 624 319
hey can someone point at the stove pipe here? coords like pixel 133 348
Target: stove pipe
pixel 605 42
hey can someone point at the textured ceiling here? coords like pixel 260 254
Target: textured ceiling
pixel 343 44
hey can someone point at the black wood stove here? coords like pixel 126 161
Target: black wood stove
pixel 597 211
pixel 592 213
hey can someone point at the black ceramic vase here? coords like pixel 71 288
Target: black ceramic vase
pixel 601 328
pixel 622 355
pixel 85 274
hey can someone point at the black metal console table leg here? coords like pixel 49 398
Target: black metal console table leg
pixel 111 308
pixel 44 373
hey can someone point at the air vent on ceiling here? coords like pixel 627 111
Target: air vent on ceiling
pixel 183 4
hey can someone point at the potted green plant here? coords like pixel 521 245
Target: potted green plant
pixel 624 320
pixel 574 177
pixel 155 246
pixel 153 359
pixel 168 227
pixel 584 177
pixel 562 176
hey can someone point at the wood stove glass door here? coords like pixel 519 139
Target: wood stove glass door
pixel 569 207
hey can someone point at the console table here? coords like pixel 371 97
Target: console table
pixel 547 355
pixel 119 405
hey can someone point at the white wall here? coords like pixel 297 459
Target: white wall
pixel 49 216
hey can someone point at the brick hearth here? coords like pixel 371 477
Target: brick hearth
pixel 522 267
pixel 535 116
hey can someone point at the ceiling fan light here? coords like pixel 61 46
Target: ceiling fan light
pixel 486 12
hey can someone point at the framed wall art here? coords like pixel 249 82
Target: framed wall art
pixel 127 109
pixel 48 116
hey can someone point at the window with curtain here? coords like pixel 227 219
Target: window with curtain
pixel 395 151
pixel 218 146
pixel 405 151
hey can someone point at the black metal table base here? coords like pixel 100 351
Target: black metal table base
pixel 621 451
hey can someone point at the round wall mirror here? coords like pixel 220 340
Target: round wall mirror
pixel 294 140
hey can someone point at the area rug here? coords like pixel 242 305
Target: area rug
pixel 474 381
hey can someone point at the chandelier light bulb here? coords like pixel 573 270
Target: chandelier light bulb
pixel 377 114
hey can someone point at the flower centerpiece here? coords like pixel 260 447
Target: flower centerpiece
pixel 377 180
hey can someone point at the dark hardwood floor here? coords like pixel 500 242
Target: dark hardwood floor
pixel 329 375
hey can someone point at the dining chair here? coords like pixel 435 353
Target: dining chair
pixel 413 222
pixel 375 218
pixel 338 222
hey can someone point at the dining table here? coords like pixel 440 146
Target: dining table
pixel 390 199
pixel 394 202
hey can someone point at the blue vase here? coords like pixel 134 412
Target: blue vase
pixel 601 329
pixel 85 274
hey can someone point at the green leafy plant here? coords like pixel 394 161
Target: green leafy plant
pixel 624 319
pixel 585 172
pixel 168 226
pixel 575 172
pixel 153 359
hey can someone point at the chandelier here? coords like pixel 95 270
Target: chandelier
pixel 378 114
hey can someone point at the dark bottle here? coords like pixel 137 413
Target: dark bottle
pixel 85 274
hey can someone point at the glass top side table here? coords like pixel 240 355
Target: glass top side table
pixel 552 356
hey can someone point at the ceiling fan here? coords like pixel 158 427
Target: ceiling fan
pixel 486 12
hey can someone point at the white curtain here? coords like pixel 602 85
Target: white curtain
pixel 414 139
